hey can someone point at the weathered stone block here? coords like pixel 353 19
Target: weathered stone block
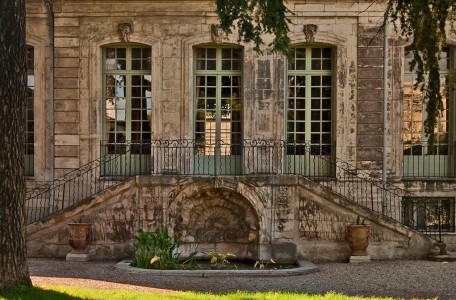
pixel 371 95
pixel 375 128
pixel 370 52
pixel 66 72
pixel 370 117
pixel 68 31
pixel 61 139
pixel 66 128
pixel 370 84
pixel 66 21
pixel 62 94
pixel 66 62
pixel 369 153
pixel 66 42
pixel 66 82
pixel 66 52
pixel 369 140
pixel 66 162
pixel 370 62
pixel 370 73
pixel 66 151
pixel 66 105
pixel 370 106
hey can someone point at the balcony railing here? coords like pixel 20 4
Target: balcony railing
pixel 430 215
pixel 190 157
pixel 424 161
pixel 248 158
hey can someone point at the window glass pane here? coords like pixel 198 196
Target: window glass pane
pixel 221 87
pixel 128 97
pixel 414 115
pixel 310 97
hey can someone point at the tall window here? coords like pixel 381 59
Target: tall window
pixel 29 117
pixel 309 108
pixel 127 101
pixel 218 104
pixel 420 160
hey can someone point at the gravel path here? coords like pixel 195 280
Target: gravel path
pixel 398 278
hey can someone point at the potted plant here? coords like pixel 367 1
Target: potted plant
pixel 357 236
pixel 78 236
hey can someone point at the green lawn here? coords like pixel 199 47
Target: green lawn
pixel 77 293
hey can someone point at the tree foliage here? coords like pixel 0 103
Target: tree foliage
pixel 424 21
pixel 253 18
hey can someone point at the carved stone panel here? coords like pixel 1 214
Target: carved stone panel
pixel 217 34
pixel 309 31
pixel 216 216
pixel 125 31
pixel 317 222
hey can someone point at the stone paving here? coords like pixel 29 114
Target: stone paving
pixel 393 278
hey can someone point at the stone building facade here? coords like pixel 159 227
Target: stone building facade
pixel 232 149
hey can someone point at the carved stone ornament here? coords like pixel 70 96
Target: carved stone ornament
pixel 125 30
pixel 217 33
pixel 309 31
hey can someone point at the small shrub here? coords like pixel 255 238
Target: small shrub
pixel 263 265
pixel 155 250
pixel 220 260
pixel 191 262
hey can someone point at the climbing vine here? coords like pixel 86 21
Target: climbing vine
pixel 424 21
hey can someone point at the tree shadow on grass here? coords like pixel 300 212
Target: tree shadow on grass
pixel 35 293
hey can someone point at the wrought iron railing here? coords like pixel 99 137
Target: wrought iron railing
pixel 422 160
pixel 249 157
pixel 81 184
pixel 431 215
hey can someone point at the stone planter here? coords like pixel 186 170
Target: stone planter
pixel 357 237
pixel 78 235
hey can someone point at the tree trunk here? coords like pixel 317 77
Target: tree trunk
pixel 13 84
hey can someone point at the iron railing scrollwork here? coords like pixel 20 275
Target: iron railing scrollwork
pixel 118 162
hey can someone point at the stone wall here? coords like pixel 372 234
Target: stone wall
pixel 280 217
pixel 68 123
pixel 71 114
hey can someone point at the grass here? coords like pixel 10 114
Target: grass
pixel 78 293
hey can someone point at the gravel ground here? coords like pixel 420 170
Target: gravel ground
pixel 397 278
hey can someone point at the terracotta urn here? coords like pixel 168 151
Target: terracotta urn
pixel 357 237
pixel 78 235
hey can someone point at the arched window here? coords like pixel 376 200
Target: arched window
pixel 420 159
pixel 218 109
pixel 309 110
pixel 127 103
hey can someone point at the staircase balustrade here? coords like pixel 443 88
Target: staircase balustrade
pixel 317 163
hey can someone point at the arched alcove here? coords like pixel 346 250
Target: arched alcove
pixel 218 218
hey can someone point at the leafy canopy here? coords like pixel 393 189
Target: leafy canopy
pixel 424 21
pixel 254 18
pixel 421 20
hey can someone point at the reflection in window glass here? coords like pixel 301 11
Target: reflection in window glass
pixel 127 94
pixel 430 213
pixel 218 101
pixel 415 110
pixel 310 93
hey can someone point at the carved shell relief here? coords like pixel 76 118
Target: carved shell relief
pixel 216 216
